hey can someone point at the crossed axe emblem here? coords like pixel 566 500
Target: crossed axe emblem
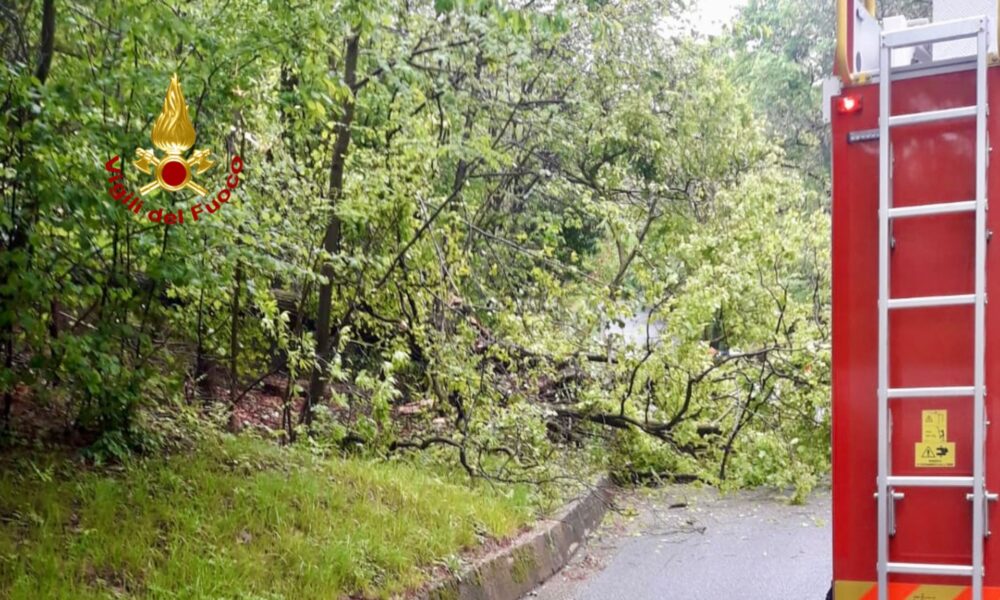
pixel 173 171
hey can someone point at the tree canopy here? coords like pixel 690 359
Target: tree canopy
pixel 490 230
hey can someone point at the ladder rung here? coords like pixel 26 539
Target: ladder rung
pixel 933 115
pixel 941 481
pixel 925 210
pixel 932 392
pixel 932 301
pixel 930 569
pixel 935 32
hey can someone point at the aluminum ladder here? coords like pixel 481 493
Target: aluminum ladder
pixel 887 483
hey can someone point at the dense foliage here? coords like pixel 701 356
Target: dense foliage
pixel 488 229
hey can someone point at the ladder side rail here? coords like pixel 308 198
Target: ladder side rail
pixel 979 374
pixel 884 499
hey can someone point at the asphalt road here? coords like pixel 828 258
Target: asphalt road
pixel 748 546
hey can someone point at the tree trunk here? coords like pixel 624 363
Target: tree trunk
pixel 234 349
pixel 48 41
pixel 8 394
pixel 332 239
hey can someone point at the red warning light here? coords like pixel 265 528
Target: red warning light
pixel 848 104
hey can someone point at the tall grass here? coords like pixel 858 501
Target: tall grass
pixel 237 519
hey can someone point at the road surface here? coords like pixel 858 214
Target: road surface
pixel 693 544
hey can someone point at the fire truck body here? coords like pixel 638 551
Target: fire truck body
pixel 914 350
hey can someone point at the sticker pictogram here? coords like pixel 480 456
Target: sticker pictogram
pixel 934 449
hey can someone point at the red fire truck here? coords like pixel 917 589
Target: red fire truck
pixel 916 342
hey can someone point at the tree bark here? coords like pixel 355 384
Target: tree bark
pixel 234 349
pixel 48 41
pixel 332 238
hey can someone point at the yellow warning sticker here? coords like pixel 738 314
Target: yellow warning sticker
pixel 935 426
pixel 934 449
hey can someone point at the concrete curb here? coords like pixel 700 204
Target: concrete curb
pixel 532 558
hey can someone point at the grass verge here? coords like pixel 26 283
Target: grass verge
pixel 239 518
